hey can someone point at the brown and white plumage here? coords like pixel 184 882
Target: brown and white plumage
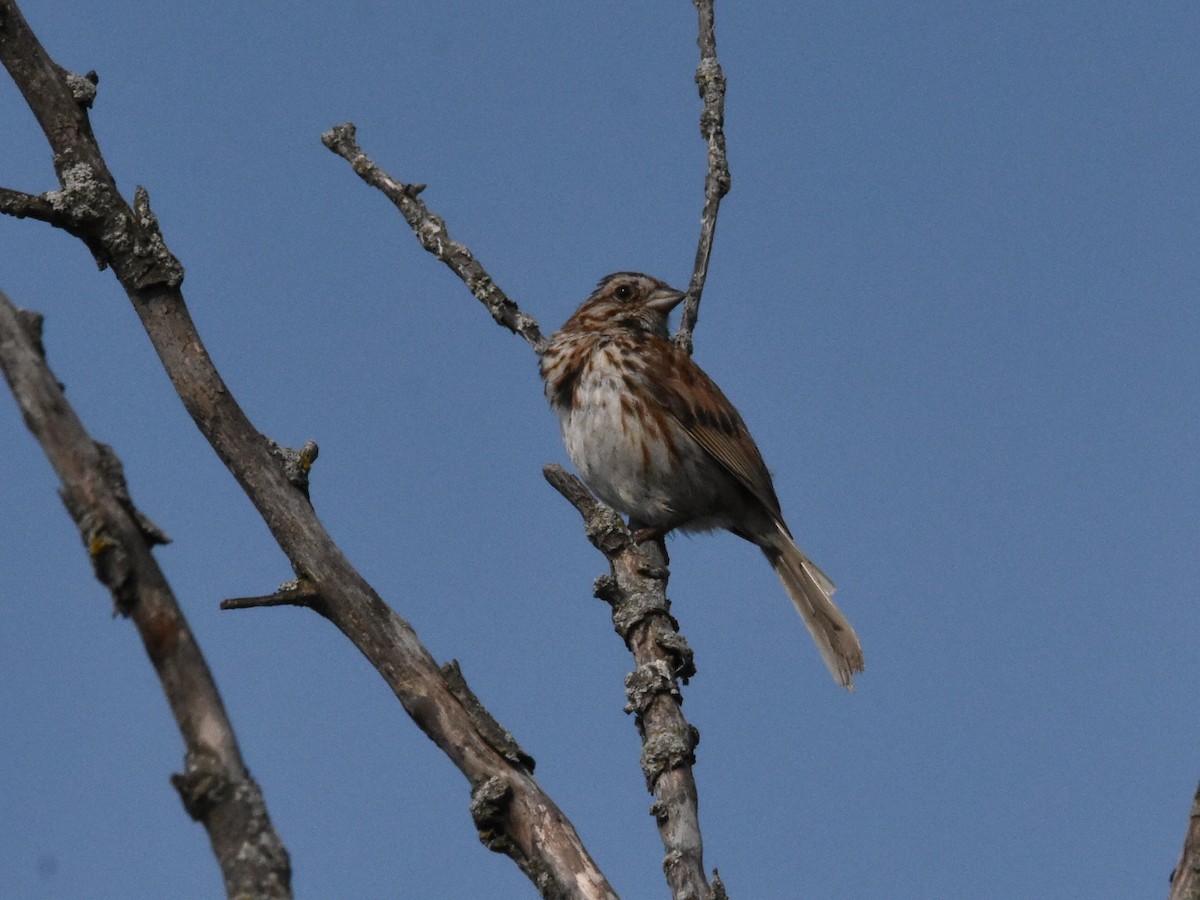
pixel 654 437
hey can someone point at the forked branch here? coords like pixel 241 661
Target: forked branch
pixel 635 589
pixel 512 812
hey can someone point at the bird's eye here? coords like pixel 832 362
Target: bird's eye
pixel 623 292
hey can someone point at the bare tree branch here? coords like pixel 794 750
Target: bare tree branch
pixel 512 812
pixel 711 81
pixel 636 591
pixel 662 655
pixel 430 230
pixel 290 593
pixel 1185 880
pixel 20 205
pixel 215 786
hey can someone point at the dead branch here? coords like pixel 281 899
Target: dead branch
pixel 711 81
pixel 635 589
pixel 215 786
pixel 514 815
pixel 667 739
pixel 431 231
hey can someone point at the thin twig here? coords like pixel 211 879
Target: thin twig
pixel 711 82
pixel 518 818
pixel 215 786
pixel 431 231
pixel 635 588
pixel 20 205
pixel 291 593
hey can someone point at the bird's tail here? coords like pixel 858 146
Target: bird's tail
pixel 811 592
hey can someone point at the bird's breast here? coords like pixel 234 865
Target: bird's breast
pixel 621 443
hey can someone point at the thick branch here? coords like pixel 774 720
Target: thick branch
pixel 636 591
pixel 430 230
pixel 522 821
pixel 215 786
pixel 711 81
pixel 1185 880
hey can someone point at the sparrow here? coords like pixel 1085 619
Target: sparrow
pixel 655 438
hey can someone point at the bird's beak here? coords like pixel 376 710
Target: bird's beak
pixel 664 299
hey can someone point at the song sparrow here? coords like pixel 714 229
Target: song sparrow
pixel 655 438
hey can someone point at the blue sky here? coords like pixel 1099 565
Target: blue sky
pixel 954 295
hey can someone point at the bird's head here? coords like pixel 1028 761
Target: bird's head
pixel 629 300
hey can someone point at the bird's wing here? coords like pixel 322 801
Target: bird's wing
pixel 704 412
